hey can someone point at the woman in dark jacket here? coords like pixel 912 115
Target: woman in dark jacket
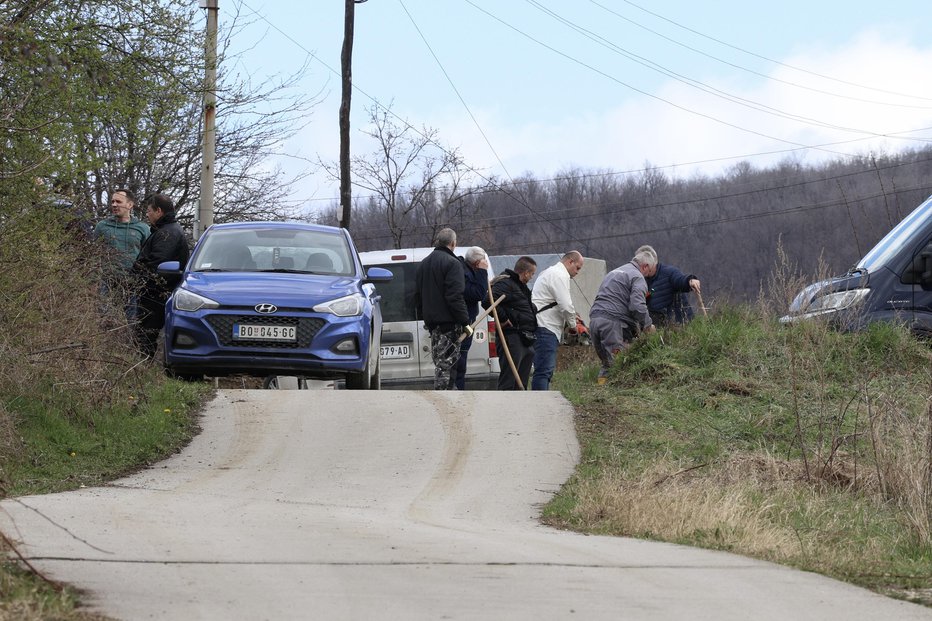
pixel 166 243
pixel 518 322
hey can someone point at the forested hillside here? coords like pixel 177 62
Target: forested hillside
pixel 725 229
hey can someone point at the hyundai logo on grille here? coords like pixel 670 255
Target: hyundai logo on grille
pixel 266 308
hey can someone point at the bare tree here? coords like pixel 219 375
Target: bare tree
pixel 160 149
pixel 418 185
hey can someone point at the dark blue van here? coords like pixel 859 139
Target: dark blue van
pixel 893 282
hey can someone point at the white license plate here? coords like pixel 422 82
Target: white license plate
pixel 253 332
pixel 395 351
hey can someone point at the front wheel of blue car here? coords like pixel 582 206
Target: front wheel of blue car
pixel 368 379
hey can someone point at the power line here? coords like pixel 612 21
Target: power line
pixel 777 62
pixel 645 93
pixel 629 171
pixel 697 84
pixel 751 71
pixel 500 187
pixel 389 111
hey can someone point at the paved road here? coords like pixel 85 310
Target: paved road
pixel 390 505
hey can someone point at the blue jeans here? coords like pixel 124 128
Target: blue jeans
pixel 545 359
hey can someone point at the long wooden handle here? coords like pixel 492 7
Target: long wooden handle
pixel 480 317
pixel 701 305
pixel 504 342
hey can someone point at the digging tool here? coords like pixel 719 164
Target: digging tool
pixel 467 333
pixel 504 342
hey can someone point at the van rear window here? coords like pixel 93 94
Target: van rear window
pixel 398 294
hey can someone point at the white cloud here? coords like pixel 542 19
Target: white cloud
pixel 645 129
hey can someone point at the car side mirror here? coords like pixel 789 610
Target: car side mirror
pixel 378 274
pixel 169 268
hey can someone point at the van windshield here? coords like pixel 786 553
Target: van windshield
pixel 901 235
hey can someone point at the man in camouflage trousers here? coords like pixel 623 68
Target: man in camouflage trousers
pixel 438 297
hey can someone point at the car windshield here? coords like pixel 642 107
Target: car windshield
pixel 896 239
pixel 274 249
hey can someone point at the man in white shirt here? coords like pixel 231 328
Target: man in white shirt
pixel 551 298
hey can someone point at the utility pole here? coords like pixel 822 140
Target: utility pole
pixel 346 62
pixel 205 215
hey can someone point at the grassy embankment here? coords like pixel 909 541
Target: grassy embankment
pixel 78 406
pixel 794 444
pixel 53 442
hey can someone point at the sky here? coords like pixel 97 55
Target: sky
pixel 541 87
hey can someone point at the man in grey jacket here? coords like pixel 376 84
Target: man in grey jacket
pixel 619 312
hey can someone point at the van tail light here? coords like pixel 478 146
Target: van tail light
pixel 493 336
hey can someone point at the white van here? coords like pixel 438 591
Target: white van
pixel 406 360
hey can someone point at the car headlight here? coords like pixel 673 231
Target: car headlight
pixel 343 307
pixel 841 300
pixel 185 300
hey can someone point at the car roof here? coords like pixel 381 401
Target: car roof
pixel 306 226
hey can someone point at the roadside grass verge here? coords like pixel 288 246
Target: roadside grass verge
pixel 62 447
pixel 58 446
pixel 78 407
pixel 793 444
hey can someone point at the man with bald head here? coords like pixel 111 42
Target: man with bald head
pixel 555 311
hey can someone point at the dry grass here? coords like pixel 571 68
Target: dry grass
pixel 799 445
pixel 661 505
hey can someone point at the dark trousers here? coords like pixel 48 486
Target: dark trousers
pixel 460 377
pixel 151 319
pixel 523 357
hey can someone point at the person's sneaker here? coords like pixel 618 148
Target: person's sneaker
pixel 601 381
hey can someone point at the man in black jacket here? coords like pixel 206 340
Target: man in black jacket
pixel 518 319
pixel 166 243
pixel 438 298
pixel 667 291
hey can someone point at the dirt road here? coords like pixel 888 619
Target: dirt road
pixel 390 505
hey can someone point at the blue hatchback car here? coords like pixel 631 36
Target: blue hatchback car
pixel 275 298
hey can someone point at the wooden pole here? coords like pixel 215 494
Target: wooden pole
pixel 701 305
pixel 346 63
pixel 482 315
pixel 501 335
